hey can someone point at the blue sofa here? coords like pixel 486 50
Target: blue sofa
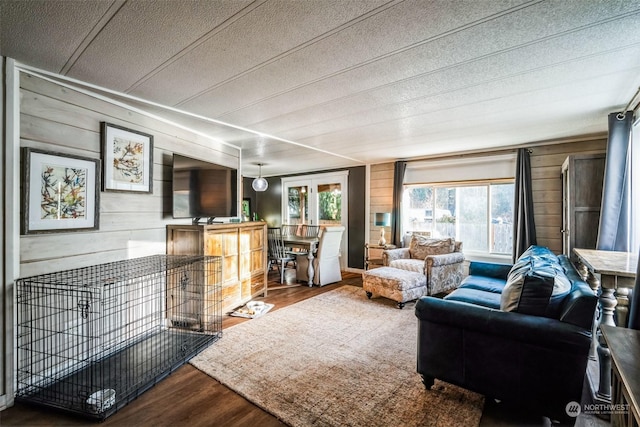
pixel 519 333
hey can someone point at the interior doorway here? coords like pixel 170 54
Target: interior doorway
pixel 320 199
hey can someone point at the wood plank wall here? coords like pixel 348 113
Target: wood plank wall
pixel 56 118
pixel 380 198
pixel 546 164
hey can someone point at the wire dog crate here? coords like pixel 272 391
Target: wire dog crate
pixel 92 339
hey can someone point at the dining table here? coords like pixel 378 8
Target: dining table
pixel 612 277
pixel 308 244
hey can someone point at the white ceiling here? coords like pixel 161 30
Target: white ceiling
pixel 316 84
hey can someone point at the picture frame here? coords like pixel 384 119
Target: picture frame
pixel 61 192
pixel 127 159
pixel 246 207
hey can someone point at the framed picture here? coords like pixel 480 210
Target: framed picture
pixel 127 159
pixel 61 192
pixel 246 207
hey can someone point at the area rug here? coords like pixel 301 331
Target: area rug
pixel 337 359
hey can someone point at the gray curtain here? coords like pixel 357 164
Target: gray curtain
pixel 396 223
pixel 524 227
pixel 613 232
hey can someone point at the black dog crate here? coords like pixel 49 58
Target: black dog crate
pixel 92 339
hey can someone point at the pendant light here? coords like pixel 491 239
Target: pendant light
pixel 259 183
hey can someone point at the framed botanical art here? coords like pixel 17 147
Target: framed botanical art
pixel 246 208
pixel 61 192
pixel 127 159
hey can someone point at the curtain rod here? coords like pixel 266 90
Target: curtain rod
pixel 621 115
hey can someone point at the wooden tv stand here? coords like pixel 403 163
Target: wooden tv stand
pixel 243 248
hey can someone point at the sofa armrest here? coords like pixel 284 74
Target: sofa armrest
pixel 489 269
pixel 389 255
pixel 443 259
pixel 543 331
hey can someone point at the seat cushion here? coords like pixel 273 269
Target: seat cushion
pixel 415 265
pixel 395 278
pixel 483 283
pixel 475 296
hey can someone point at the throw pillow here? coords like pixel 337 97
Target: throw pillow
pixel 421 246
pixel 535 286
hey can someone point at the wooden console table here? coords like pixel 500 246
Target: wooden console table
pixel 612 275
pixel 624 345
pixel 243 248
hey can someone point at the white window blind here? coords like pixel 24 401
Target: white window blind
pixel 461 169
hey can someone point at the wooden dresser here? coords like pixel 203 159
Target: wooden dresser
pixel 243 248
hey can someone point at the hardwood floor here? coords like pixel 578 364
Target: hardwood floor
pixel 191 398
pixel 187 397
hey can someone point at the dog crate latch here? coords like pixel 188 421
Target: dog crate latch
pixel 84 307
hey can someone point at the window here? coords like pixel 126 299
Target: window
pixel 478 214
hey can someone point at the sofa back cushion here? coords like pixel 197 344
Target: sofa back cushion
pixel 422 246
pixel 579 306
pixel 536 285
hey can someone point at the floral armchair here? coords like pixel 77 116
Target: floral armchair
pixel 440 260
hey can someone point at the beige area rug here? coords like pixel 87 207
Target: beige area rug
pixel 337 359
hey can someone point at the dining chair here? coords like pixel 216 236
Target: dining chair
pixel 277 253
pixel 326 264
pixel 289 229
pixel 310 230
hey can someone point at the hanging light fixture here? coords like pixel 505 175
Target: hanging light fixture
pixel 259 183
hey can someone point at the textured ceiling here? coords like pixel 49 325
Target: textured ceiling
pixel 317 84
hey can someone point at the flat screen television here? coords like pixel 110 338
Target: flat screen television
pixel 203 189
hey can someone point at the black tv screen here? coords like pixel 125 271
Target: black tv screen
pixel 203 189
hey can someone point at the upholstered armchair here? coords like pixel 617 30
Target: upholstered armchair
pixel 440 260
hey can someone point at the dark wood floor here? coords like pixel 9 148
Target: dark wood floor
pixel 191 398
pixel 187 397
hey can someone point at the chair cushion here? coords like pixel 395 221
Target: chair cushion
pixel 421 246
pixel 416 265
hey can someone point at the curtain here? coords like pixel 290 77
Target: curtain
pixel 524 227
pixel 398 180
pixel 613 232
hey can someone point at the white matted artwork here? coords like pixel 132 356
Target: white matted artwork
pixel 61 192
pixel 127 157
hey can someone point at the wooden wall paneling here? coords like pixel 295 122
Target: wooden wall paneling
pixel 86 259
pixel 59 136
pixel 381 196
pixel 61 119
pixel 40 246
pixel 104 108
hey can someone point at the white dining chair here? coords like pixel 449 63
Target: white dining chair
pixel 326 263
